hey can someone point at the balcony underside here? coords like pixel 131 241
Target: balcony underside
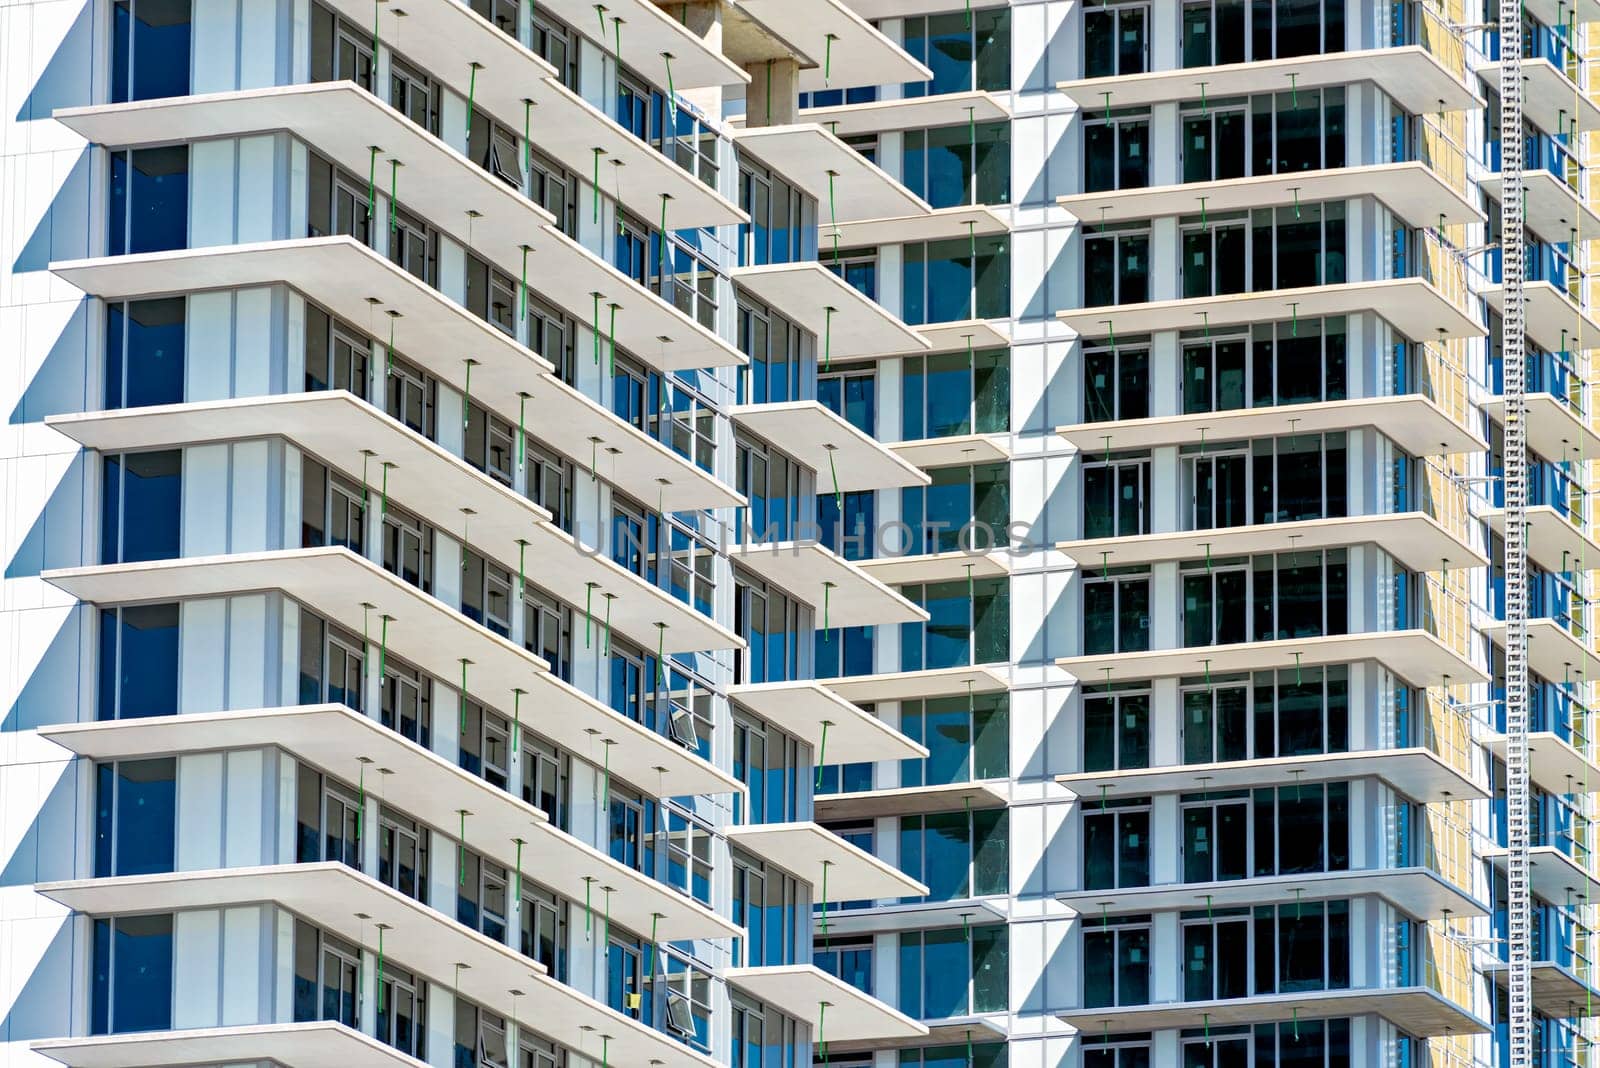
pixel 1548 98
pixel 1554 541
pixel 1417 540
pixel 341 742
pixel 1415 655
pixel 1411 305
pixel 1412 421
pixel 911 800
pixel 846 322
pixel 915 685
pixel 427 480
pixel 841 592
pixel 1415 79
pixel 416 937
pixel 1417 1011
pixel 938 567
pixel 1552 876
pixel 425 632
pixel 843 457
pixel 1418 773
pixel 1557 992
pixel 961 334
pixel 1418 892
pixel 1553 764
pixel 932 225
pixel 837 48
pixel 953 1031
pixel 1553 208
pixel 817 855
pixel 923 915
pixel 802 991
pixel 292 1045
pixel 1554 432
pixel 1555 322
pixel 1553 651
pixel 815 713
pixel 956 449
pixel 1557 12
pixel 832 172
pixel 911 113
pixel 1412 190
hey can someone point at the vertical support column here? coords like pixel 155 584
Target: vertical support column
pixel 1519 903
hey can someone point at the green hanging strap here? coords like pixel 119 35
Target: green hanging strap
pixel 522 290
pixel 1205 226
pixel 769 92
pixel 605 786
pixel 1294 90
pixel 522 432
pixel 588 614
pixel 1296 192
pixel 672 92
pixel 383 646
pixel 588 905
pixel 605 646
pixel 389 366
pixel 827 595
pixel 516 717
pixel 972 244
pixel 616 28
pixel 1294 312
pixel 522 561
pixel 833 216
pixel 527 138
pixel 650 958
pixel 1202 99
pixel 463 701
pixel 969 26
pixel 600 13
pixel 969 1037
pixel 466 396
pixel 377 10
pixel 838 497
pixel 381 928
pixel 611 341
pixel 597 153
pixel 595 321
pixel 605 1051
pixel 1108 105
pixel 822 1034
pixel 827 337
pixel 472 94
pixel 822 751
pixel 394 196
pixel 827 57
pixel 518 890
pixel 372 182
pixel 461 851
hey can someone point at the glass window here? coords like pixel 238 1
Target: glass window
pixel 1116 496
pixel 337 355
pixel 132 975
pixel 956 279
pixel 141 507
pixel 968 739
pixel 1116 611
pixel 403 1011
pixel 964 971
pixel 782 356
pixel 1116 728
pixel 849 959
pixel 1116 381
pixel 957 854
pixel 340 51
pixel 1116 40
pixel 414 94
pixel 1116 151
pixel 150 44
pixel 951 166
pixel 138 661
pixel 1116 267
pixel 955 393
pixel 1116 963
pixel 773 908
pixel 849 533
pixel 783 218
pixel 338 203
pixel 135 817
pixel 852 395
pixel 144 352
pixel 1233 31
pixel 327 977
pixel 965 50
pixel 969 623
pixel 962 508
pixel 149 200
pixel 1116 845
pixel 775 485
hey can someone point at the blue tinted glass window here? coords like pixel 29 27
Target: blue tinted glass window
pixel 137 808
pixel 132 975
pixel 853 397
pixel 844 651
pixel 138 661
pixel 149 200
pixel 150 45
pixel 144 353
pixel 853 536
pixel 141 501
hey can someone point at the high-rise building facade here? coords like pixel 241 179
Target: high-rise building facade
pixel 765 533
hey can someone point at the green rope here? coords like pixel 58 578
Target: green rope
pixel 969 26
pixel 372 182
pixel 972 242
pixel 596 330
pixel 827 338
pixel 838 497
pixel 597 154
pixel 472 92
pixel 672 93
pixel 394 185
pixel 461 850
pixel 605 647
pixel 588 904
pixel 616 27
pixel 522 290
pixel 383 645
pixel 827 57
pixel 650 959
pixel 611 340
pixel 463 701
pixel 516 717
pixel 1296 192
pixel 519 864
pixel 605 917
pixel 822 1038
pixel 822 751
pixel 527 137
pixel 969 582
pixel 381 928
pixel 969 1030
pixel 588 613
pixel 600 12
pixel 1294 90
pixel 605 1051
pixel 1204 225
pixel 522 434
pixel 1202 99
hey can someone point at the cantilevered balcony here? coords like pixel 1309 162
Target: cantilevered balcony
pixel 825 861
pixel 1554 188
pixel 1418 772
pixel 656 43
pixel 1415 538
pixel 338 584
pixel 340 899
pixel 1551 100
pixel 913 800
pixel 1412 190
pixel 821 717
pixel 1416 1010
pixel 910 113
pixel 1417 80
pixel 848 187
pixel 437 486
pixel 956 565
pixel 846 322
pixel 1557 308
pixel 841 592
pixel 340 741
pixel 837 1011
pixel 1557 648
pixel 836 47
pixel 934 225
pixel 1415 422
pixel 1557 538
pixel 1418 892
pixel 293 1045
pixel 916 685
pixel 830 446
pixel 1553 873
